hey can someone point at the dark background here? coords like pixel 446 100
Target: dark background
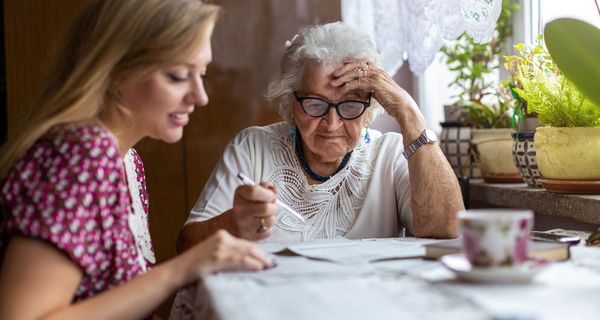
pixel 3 120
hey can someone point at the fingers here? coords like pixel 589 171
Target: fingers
pixel 254 211
pixel 222 251
pixel 255 259
pixel 356 66
pixel 269 186
pixel 270 221
pixel 239 254
pixel 262 193
pixel 262 227
pixel 361 75
pixel 255 221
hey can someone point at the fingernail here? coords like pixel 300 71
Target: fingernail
pixel 267 267
pixel 273 264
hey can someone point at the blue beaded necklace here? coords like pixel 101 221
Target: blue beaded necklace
pixel 307 169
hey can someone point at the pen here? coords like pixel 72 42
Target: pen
pixel 285 207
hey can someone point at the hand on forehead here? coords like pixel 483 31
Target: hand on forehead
pixel 317 80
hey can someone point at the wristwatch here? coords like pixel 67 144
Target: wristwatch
pixel 426 137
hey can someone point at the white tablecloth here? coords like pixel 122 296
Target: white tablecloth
pixel 301 288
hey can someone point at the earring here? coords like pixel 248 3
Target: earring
pixel 367 137
pixel 293 133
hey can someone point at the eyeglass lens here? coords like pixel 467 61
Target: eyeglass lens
pixel 346 110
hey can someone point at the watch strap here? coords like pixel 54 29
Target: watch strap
pixel 415 145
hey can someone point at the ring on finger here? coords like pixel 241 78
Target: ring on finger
pixel 263 227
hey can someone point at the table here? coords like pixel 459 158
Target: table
pixel 407 288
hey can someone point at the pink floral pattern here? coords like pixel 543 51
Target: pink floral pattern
pixel 70 190
pixel 496 242
pixel 522 246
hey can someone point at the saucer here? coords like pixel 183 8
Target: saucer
pixel 459 264
pixel 571 186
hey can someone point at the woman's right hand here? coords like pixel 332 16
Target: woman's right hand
pixel 222 251
pixel 254 211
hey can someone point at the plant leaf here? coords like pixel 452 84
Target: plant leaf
pixel 575 47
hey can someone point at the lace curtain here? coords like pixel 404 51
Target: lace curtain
pixel 415 30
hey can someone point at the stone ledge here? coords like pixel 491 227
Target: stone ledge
pixel 584 208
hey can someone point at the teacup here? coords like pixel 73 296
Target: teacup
pixel 495 237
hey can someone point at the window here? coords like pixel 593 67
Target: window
pixel 586 10
pixel 528 22
pixel 434 93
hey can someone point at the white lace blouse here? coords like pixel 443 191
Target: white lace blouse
pixel 138 217
pixel 370 197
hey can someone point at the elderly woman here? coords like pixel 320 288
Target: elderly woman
pixel 342 177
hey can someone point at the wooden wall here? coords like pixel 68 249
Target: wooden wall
pixel 33 29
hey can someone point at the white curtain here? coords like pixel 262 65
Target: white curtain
pixel 415 30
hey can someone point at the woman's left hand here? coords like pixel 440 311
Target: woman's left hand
pixel 364 75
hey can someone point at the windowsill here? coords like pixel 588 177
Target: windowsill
pixel 582 208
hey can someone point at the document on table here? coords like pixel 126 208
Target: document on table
pixel 361 251
pixel 327 259
pixel 298 269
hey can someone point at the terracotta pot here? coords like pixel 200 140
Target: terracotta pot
pixel 492 150
pixel 568 153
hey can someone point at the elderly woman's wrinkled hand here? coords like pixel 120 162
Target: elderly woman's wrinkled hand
pixel 254 210
pixel 364 75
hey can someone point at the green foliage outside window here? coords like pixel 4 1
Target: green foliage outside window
pixel 472 63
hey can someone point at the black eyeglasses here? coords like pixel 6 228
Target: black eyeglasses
pixel 347 110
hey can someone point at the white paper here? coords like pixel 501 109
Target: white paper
pixel 361 251
pixel 297 269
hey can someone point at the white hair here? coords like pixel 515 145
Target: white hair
pixel 328 44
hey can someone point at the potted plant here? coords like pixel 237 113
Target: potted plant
pixel 491 139
pixel 529 59
pixel 575 46
pixel 486 112
pixel 568 144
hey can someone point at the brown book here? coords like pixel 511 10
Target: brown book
pixel 537 249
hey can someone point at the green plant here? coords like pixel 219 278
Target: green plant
pixel 575 46
pixel 474 64
pixel 527 59
pixel 537 81
pixel 489 115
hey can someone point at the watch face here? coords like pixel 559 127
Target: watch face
pixel 431 136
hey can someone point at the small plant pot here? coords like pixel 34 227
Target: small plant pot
pixel 523 152
pixel 455 142
pixel 568 153
pixel 492 150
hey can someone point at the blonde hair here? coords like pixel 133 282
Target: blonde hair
pixel 330 43
pixel 112 41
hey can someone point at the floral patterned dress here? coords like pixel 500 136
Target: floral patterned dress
pixel 72 190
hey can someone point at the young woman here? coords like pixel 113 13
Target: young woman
pixel 74 239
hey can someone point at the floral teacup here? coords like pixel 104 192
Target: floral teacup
pixel 495 237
